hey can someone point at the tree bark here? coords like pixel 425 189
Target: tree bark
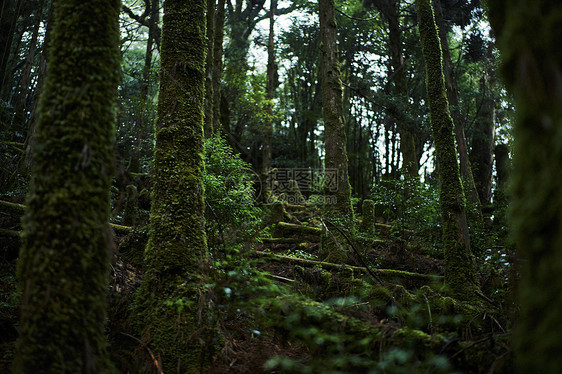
pixel 453 95
pixel 20 117
pixel 8 22
pixel 400 89
pixel 217 63
pixel 209 69
pixel 177 248
pixel 334 129
pixel 529 39
pixel 65 258
pixel 482 151
pixel 270 88
pixel 153 20
pixel 460 273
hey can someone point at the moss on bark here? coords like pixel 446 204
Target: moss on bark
pixel 368 222
pixel 64 262
pixel 460 273
pixel 177 248
pixel 334 129
pixel 529 38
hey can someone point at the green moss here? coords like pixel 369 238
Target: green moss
pixel 334 134
pixel 368 212
pixel 460 272
pixel 529 40
pixel 177 247
pixel 418 340
pixel 131 212
pixel 64 262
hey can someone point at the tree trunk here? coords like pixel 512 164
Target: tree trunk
pixel 217 64
pixel 65 257
pixel 529 38
pixel 453 95
pixel 400 89
pixel 20 117
pixel 153 20
pixel 177 248
pixel 482 151
pixel 501 156
pixel 270 88
pixel 209 68
pixel 334 130
pixel 10 11
pixel 460 273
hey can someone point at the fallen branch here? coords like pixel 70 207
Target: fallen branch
pixel 19 209
pixel 284 226
pixel 283 240
pixel 12 233
pixel 383 273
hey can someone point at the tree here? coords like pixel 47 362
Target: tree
pixel 398 73
pixel 177 248
pixel 217 63
pixel 209 68
pixel 460 273
pixel 529 39
pixel 65 258
pixel 270 88
pixel 334 129
pixel 453 96
pixel 482 150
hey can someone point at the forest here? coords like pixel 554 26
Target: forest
pixel 277 186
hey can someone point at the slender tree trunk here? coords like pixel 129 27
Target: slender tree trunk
pixel 142 115
pixel 153 20
pixel 177 248
pixel 482 151
pixel 42 71
pixel 209 68
pixel 65 258
pixel 529 38
pixel 334 129
pixel 217 65
pixel 270 88
pixel 398 75
pixel 9 10
pixel 501 157
pixel 460 273
pixel 453 95
pixel 20 117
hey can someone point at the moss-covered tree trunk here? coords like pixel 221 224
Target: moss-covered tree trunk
pixel 217 64
pixel 460 273
pixel 458 119
pixel 529 39
pixel 334 129
pixel 269 91
pixel 65 257
pixel 177 249
pixel 209 70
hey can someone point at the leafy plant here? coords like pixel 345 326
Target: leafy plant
pixel 411 204
pixel 230 194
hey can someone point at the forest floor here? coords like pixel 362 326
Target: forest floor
pixel 285 305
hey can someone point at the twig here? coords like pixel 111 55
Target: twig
pixel 478 342
pixel 371 273
pixel 283 279
pixel 355 18
pixel 485 298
